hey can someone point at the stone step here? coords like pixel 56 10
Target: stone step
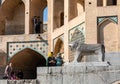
pixel 87 64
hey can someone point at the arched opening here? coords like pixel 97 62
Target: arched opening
pixel 111 2
pixel 45 19
pixel 76 7
pixel 27 60
pixel 16 24
pixel 59 47
pixel 14 13
pixel 108 34
pixel 37 9
pixel 57 11
pixel 99 2
pixel 45 14
pixel 80 6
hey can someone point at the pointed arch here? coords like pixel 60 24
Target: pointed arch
pixel 105 37
pixel 59 47
pixel 76 7
pixel 14 13
pixel 57 10
pixel 37 9
pixel 80 6
pixel 27 60
pixel 78 36
pixel 105 19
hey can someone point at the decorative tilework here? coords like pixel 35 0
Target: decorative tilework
pixel 100 19
pixel 77 33
pixel 38 46
pixel 113 18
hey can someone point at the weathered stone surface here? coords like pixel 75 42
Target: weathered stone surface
pixel 3 81
pixel 77 74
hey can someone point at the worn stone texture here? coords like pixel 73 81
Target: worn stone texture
pixel 77 74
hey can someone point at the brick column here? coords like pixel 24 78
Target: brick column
pixel 27 17
pixel 118 2
pixel 104 2
pixel 66 17
pixel 50 25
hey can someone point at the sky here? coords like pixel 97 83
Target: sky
pixel 45 15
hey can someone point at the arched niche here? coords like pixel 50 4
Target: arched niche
pixel 14 13
pixel 37 9
pixel 28 60
pixel 108 35
pixel 59 47
pixel 76 7
pixel 80 6
pixel 58 10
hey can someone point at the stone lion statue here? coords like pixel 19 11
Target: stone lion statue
pixel 98 49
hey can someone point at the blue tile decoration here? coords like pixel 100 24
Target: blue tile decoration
pixel 77 33
pixel 40 47
pixel 112 18
pixel 100 19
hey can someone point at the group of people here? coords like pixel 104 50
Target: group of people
pixel 55 60
pixel 37 24
pixel 10 74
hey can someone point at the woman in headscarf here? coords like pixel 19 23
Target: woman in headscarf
pixel 51 59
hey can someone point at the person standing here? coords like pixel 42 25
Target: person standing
pixel 38 25
pixel 35 23
pixel 8 70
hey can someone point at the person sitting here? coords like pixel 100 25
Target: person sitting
pixel 59 60
pixel 8 70
pixel 13 76
pixel 51 59
pixel 20 74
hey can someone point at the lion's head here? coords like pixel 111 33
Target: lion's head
pixel 73 45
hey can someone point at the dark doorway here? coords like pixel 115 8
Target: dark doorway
pixel 28 60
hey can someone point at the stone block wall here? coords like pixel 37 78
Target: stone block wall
pixel 18 81
pixel 79 74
